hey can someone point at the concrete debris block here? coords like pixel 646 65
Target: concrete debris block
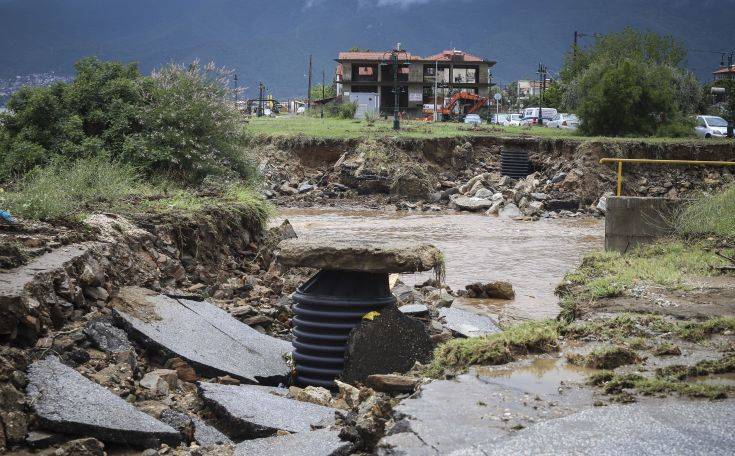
pixel 286 189
pixel 160 381
pixel 107 337
pixel 495 208
pixel 391 342
pixel 467 324
pixel 484 193
pixel 323 442
pixel 313 394
pixel 415 310
pixel 68 403
pixel 510 211
pixel 348 393
pixel 391 383
pixel 305 187
pixel 471 203
pixel 248 411
pixel 375 257
pixel 690 427
pixel 495 290
pixel 207 337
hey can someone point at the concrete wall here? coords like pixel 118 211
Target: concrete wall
pixel 632 221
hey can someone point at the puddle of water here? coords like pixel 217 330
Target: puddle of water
pixel 543 376
pixel 533 256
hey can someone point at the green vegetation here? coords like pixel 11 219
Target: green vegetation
pixel 335 128
pixel 667 349
pixel 627 325
pixel 178 122
pixel 630 83
pixel 66 189
pixel 333 110
pixel 500 348
pixel 671 379
pixel 607 357
pixel 709 216
pixel 320 92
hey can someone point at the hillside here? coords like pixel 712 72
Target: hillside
pixel 270 40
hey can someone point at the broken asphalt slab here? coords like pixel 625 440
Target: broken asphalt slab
pixel 480 412
pixel 466 323
pixel 373 257
pixel 249 411
pixel 653 428
pixel 206 336
pixel 67 402
pixel 323 442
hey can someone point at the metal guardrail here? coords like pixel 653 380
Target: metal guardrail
pixel 651 161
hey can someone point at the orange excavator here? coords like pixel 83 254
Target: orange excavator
pixel 471 104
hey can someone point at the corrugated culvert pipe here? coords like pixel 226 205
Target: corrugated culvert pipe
pixel 327 307
pixel 514 163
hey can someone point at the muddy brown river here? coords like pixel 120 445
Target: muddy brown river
pixel 533 256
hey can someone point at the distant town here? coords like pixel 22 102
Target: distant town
pixel 13 84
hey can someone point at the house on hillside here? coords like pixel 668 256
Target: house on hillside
pixel 724 73
pixel 366 78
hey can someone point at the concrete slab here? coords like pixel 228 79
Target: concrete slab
pixel 323 442
pixel 207 337
pixel 373 257
pixel 67 402
pixel 248 411
pixel 466 323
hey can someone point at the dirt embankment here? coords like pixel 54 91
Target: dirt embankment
pixel 313 170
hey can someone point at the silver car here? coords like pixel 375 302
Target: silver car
pixel 711 127
pixel 561 120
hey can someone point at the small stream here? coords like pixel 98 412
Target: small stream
pixel 533 256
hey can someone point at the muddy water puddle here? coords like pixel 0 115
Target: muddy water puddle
pixel 533 256
pixel 542 376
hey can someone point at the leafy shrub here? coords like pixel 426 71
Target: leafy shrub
pixel 64 190
pixel 710 214
pixel 334 109
pixel 179 122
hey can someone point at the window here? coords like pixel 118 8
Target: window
pixel 464 75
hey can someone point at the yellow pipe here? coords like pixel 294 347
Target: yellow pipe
pixel 652 161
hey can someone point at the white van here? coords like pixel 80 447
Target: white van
pixel 530 115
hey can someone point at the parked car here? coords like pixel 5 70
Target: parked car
pixel 508 119
pixel 473 119
pixel 563 120
pixel 530 115
pixel 711 126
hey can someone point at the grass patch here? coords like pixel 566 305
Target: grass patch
pixel 610 274
pixel 526 338
pixel 625 326
pixel 670 379
pixel 710 215
pixel 608 357
pixel 354 128
pixel 667 349
pixel 66 190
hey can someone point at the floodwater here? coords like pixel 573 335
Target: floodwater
pixel 533 256
pixel 543 376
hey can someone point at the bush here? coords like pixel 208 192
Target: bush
pixel 710 215
pixel 65 190
pixel 335 109
pixel 179 122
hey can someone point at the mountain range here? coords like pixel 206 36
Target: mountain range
pixel 270 40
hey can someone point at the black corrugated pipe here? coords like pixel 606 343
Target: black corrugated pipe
pixel 327 307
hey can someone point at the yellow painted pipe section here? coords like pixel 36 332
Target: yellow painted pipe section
pixel 651 161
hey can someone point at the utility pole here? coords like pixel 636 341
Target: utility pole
pixel 261 87
pixel 394 61
pixel 322 114
pixel 236 89
pixel 436 89
pixel 308 94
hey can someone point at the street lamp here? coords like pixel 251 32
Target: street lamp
pixel 542 85
pixel 394 63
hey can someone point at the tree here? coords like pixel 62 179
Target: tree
pixel 329 91
pixel 632 97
